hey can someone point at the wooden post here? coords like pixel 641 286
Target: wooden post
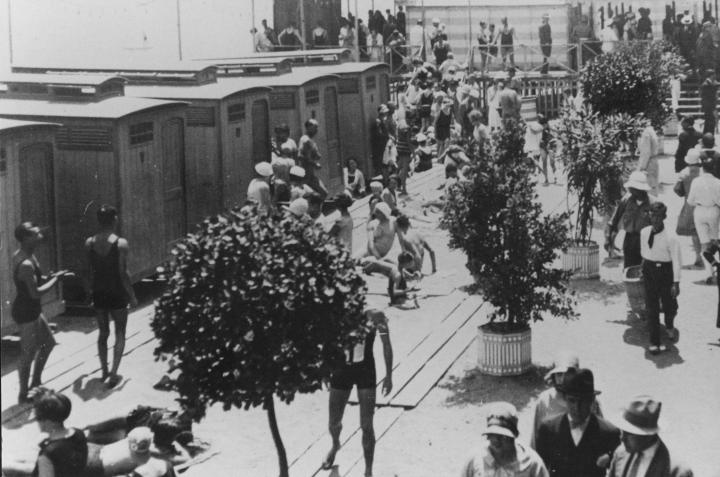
pixel 179 31
pixel 302 22
pixel 252 13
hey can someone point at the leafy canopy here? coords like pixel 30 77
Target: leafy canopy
pixel 257 306
pixel 634 78
pixel 495 217
pixel 596 155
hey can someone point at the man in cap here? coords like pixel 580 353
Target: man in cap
pixel 501 454
pixel 643 453
pixel 545 36
pixel 259 187
pixel 634 212
pixel 298 188
pixel 571 444
pixel 309 158
pixel 660 251
pixel 551 403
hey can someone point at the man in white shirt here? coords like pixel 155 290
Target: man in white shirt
pixel 705 196
pixel 259 188
pixel 643 453
pixel 416 38
pixel 660 251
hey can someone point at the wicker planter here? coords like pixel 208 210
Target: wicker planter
pixel 635 288
pixel 504 354
pixel 582 260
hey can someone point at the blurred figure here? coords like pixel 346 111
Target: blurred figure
pixel 259 188
pixel 343 226
pixel 353 178
pixel 507 38
pixel 290 37
pixel 545 36
pixel 320 35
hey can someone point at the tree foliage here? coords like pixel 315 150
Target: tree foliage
pixel 495 217
pixel 634 78
pixel 257 306
pixel 597 152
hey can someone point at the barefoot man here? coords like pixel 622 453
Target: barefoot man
pixel 359 370
pixel 411 241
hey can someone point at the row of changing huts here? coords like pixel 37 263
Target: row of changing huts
pixel 169 145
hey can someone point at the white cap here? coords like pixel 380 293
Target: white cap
pixel 264 169
pixel 298 207
pixel 139 440
pixel 383 208
pixel 297 171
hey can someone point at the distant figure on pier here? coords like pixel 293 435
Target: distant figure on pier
pixel 400 21
pixel 261 43
pixel 545 36
pixel 507 39
pixel 290 37
pixel 644 24
pixel 320 35
pixel 609 35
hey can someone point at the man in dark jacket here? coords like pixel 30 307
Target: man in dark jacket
pixel 708 101
pixel 688 139
pixel 572 444
pixel 643 453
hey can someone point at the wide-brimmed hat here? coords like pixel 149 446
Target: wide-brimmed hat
pixel 264 169
pixel 297 171
pixel 502 419
pixel 563 362
pixel 579 383
pixel 640 416
pixel 686 20
pixel 638 180
pixel 297 207
pixel 384 209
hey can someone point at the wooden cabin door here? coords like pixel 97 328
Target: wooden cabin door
pixel 37 198
pixel 260 131
pixel 333 139
pixel 173 168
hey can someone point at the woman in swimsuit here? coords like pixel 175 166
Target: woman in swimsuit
pixel 111 288
pixel 36 339
pixel 507 37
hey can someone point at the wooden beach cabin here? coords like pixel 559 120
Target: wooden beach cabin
pixel 302 95
pixel 362 88
pixel 27 192
pixel 228 131
pixel 119 150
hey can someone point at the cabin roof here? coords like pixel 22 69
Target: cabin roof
pixel 285 54
pixel 12 124
pixel 219 90
pixel 59 79
pixel 298 77
pixel 115 68
pixel 346 68
pixel 111 108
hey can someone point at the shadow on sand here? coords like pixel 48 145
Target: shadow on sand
pixel 637 334
pixel 603 291
pixel 477 388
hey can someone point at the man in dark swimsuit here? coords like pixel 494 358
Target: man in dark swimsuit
pixel 36 339
pixel 359 370
pixel 111 288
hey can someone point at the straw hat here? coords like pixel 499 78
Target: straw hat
pixel 638 180
pixel 502 420
pixel 640 416
pixel 264 169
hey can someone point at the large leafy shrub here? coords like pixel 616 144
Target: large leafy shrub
pixel 634 78
pixel 496 219
pixel 597 152
pixel 257 306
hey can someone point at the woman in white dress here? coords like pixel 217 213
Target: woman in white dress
pixel 493 101
pixel 376 47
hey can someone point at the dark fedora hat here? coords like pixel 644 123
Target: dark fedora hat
pixel 579 383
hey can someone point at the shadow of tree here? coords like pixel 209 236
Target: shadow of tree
pixel 597 290
pixel 478 389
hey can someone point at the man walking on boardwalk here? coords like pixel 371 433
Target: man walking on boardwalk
pixel 359 370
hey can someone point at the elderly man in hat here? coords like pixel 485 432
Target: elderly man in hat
pixel 643 453
pixel 551 403
pixel 259 187
pixel 571 444
pixel 545 36
pixel 500 454
pixel 660 251
pixel 634 213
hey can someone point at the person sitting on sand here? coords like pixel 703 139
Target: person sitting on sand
pixel 412 242
pixel 398 289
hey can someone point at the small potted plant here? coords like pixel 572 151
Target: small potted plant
pixel 494 216
pixel 597 152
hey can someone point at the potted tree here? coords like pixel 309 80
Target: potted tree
pixel 597 152
pixel 494 216
pixel 257 307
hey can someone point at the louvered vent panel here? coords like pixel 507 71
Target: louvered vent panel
pixel 84 138
pixel 201 117
pixel 282 101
